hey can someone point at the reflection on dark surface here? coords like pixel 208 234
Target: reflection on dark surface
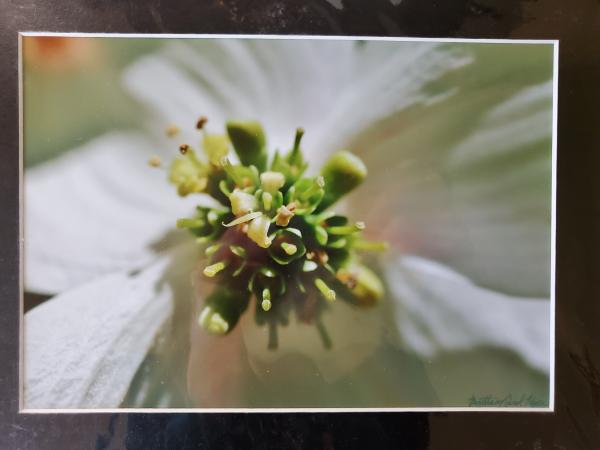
pixel 295 431
pixel 358 17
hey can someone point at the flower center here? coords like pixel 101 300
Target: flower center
pixel 273 242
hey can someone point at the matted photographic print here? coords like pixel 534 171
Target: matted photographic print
pixel 225 223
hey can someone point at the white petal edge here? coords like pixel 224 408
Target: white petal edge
pixel 96 210
pixel 83 348
pixel 471 180
pixel 286 84
pixel 438 310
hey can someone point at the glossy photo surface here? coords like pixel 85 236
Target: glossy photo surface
pixel 226 223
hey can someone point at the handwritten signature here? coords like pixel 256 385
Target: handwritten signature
pixel 509 400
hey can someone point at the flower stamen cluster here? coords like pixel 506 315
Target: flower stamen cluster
pixel 273 241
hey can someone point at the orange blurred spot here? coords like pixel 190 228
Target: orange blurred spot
pixel 61 54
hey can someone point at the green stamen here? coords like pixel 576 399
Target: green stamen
pixel 321 235
pixel 318 184
pixel 213 322
pixel 328 293
pixel 240 269
pixel 238 250
pixel 347 229
pixel 234 174
pixel 267 200
pixel 290 249
pixel 211 250
pixel 214 269
pixel 376 246
pixel 190 223
pixel 295 156
pixel 266 300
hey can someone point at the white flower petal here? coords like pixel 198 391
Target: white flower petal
pixel 465 179
pixel 289 83
pixel 96 210
pixel 83 348
pixel 438 310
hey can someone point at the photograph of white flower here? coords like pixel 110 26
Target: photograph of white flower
pixel 221 223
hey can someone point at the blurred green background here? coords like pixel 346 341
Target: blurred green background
pixel 72 91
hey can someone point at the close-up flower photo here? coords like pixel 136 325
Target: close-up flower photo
pixel 226 223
